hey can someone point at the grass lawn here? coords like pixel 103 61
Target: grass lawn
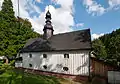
pixel 17 77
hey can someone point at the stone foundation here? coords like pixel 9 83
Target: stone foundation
pixel 59 75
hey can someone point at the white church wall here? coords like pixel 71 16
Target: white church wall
pixel 18 64
pixel 77 63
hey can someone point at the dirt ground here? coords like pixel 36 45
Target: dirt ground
pixel 68 81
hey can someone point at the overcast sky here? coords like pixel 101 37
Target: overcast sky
pixel 101 16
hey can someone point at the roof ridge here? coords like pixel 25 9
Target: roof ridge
pixel 71 32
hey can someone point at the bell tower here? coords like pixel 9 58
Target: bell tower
pixel 48 28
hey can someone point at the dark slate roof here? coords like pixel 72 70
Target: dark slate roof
pixel 76 40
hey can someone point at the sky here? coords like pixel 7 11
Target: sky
pixel 101 16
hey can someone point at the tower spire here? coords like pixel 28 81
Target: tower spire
pixel 48 28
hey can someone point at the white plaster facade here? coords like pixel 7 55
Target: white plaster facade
pixel 77 63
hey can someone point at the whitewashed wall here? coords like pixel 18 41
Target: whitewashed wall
pixel 78 62
pixel 18 64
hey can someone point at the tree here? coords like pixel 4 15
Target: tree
pixel 14 32
pixel 99 49
pixel 110 47
pixel 7 10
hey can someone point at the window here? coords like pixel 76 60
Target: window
pixel 65 68
pixel 30 55
pixel 45 66
pixel 66 55
pixel 30 65
pixel 44 55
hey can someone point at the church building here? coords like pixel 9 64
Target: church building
pixel 65 53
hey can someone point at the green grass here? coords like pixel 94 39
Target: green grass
pixel 18 77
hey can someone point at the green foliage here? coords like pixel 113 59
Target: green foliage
pixel 107 47
pixel 99 49
pixel 14 32
pixel 6 67
pixel 10 75
pixel 7 11
pixel 18 77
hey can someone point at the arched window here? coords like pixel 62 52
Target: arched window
pixel 65 68
pixel 30 55
pixel 30 65
pixel 66 55
pixel 45 66
pixel 44 55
